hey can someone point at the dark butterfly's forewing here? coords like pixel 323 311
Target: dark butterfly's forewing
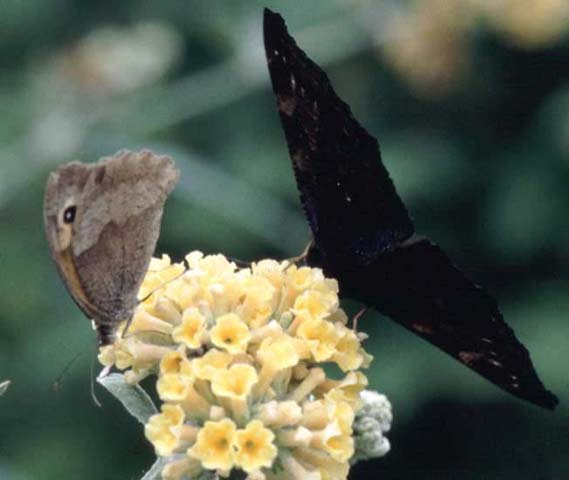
pixel 348 197
pixel 363 235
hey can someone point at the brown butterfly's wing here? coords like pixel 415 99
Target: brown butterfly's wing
pixel 418 286
pixel 119 203
pixel 349 199
pixel 363 234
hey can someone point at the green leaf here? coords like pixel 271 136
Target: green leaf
pixel 155 469
pixel 4 386
pixel 133 397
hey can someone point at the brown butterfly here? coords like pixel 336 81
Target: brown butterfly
pixel 363 236
pixel 102 222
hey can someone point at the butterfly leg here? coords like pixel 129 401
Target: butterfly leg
pixel 240 263
pixel 146 297
pixel 303 255
pixel 357 316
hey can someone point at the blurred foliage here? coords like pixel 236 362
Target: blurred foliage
pixel 471 105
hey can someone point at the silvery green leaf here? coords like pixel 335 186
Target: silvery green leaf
pixel 133 397
pixel 4 386
pixel 154 473
pixel 156 469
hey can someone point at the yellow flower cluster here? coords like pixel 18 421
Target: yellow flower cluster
pixel 429 41
pixel 238 354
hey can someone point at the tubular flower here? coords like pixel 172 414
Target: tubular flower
pixel 160 429
pixel 192 329
pixel 255 447
pixel 230 333
pixel 237 355
pixel 215 445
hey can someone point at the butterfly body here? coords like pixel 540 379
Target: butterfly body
pixel 364 237
pixel 102 223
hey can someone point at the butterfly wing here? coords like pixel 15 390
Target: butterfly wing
pixel 63 190
pixel 350 201
pixel 418 286
pixel 119 203
pixel 363 235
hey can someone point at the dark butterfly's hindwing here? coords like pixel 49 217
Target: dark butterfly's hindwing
pixel 419 287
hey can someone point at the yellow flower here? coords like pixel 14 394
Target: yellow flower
pixel 348 389
pixel 529 24
pixel 230 333
pixel 321 336
pixel 160 429
pixel 275 354
pixel 182 468
pixel 214 360
pixel 340 447
pixel 107 355
pixel 315 377
pixel 296 280
pixel 175 362
pixel 315 304
pixel 143 321
pixel 328 468
pixel 327 286
pixel 271 329
pixel 226 294
pixel 166 308
pixel 348 355
pixel 278 352
pixel 257 305
pixel 184 292
pixel 238 360
pixel 255 448
pixel 279 414
pixel 272 271
pixel 235 382
pixel 192 329
pixel 131 352
pixel 213 267
pixel 294 469
pixel 160 272
pixel 343 413
pixel 302 278
pixel 339 316
pixel 315 415
pixel 215 445
pixel 173 387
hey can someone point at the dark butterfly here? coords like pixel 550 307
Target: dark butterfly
pixel 363 236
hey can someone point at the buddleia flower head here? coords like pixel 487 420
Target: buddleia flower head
pixel 239 356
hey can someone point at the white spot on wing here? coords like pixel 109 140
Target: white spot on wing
pixel 286 104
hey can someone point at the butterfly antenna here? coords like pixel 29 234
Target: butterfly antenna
pixel 146 297
pixel 56 385
pixel 92 381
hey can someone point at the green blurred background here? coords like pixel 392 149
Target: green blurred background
pixel 470 101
